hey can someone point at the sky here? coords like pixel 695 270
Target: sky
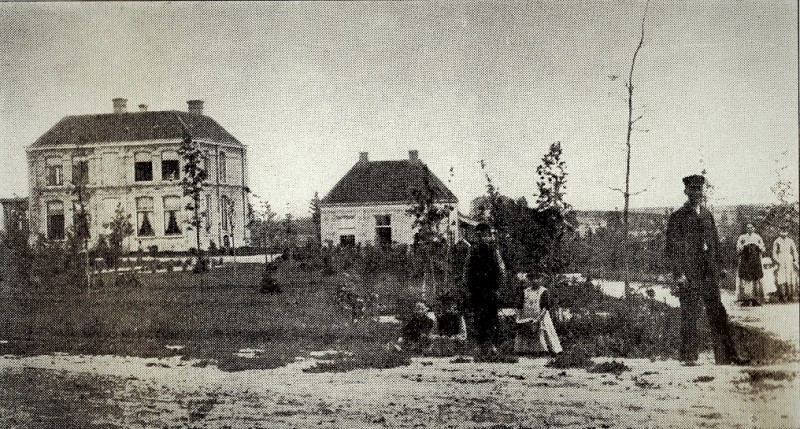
pixel 307 86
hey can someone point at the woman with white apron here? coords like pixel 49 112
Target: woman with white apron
pixel 535 330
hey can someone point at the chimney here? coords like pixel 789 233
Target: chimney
pixel 195 106
pixel 120 105
pixel 413 155
pixel 142 107
pixel 363 157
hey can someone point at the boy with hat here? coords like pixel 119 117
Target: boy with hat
pixel 693 250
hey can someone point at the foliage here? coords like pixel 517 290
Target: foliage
pixel 532 238
pixel 431 243
pixel 264 230
pixel 193 182
pixel 120 228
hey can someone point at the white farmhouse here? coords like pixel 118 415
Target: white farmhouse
pixel 130 160
pixel 369 204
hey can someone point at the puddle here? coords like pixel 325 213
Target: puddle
pixel 249 353
pixel 388 319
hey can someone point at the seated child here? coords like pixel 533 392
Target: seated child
pixel 418 331
pixel 451 329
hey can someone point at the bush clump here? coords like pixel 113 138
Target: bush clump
pixel 612 367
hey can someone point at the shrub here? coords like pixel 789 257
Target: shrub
pixel 577 356
pixel 612 367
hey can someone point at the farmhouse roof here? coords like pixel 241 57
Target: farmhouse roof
pixel 133 126
pixel 387 182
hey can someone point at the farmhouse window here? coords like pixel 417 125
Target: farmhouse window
pixel 170 166
pixel 383 229
pixel 80 172
pixel 55 174
pixel 347 240
pixel 55 220
pixel 143 167
pixel 172 206
pixel 144 215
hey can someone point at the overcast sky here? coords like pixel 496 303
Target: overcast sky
pixel 309 85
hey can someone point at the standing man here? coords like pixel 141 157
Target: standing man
pixel 784 252
pixel 694 253
pixel 484 273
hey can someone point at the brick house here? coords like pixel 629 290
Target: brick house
pixel 368 205
pixel 130 160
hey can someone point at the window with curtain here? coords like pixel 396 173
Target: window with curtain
pixel 55 220
pixel 172 207
pixel 144 217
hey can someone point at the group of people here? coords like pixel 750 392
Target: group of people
pixel 484 272
pixel 695 257
pixel 751 280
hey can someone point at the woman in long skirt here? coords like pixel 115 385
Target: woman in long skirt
pixel 751 273
pixel 535 330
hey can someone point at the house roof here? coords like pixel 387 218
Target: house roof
pixel 386 182
pixel 133 126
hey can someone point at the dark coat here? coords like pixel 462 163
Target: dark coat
pixel 692 244
pixel 483 274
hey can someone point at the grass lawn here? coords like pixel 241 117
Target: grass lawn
pixel 212 315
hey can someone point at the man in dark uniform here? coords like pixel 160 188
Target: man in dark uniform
pixel 484 272
pixel 693 250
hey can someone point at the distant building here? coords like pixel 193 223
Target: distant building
pixel 130 160
pixel 14 216
pixel 368 205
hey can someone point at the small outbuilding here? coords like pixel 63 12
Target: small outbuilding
pixel 369 204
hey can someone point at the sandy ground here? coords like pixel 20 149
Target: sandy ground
pixel 112 391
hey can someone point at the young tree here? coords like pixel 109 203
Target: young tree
pixel 81 216
pixel 120 228
pixel 316 217
pixel 552 180
pixel 193 182
pixel 430 242
pixel 627 193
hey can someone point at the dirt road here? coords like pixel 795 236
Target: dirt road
pixel 110 391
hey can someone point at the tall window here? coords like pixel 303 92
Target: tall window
pixel 55 173
pixel 383 229
pixel 144 216
pixel 55 220
pixel 172 206
pixel 224 203
pixel 223 168
pixel 80 172
pixel 143 167
pixel 207 213
pixel 170 166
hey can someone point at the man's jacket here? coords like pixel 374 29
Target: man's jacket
pixel 693 243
